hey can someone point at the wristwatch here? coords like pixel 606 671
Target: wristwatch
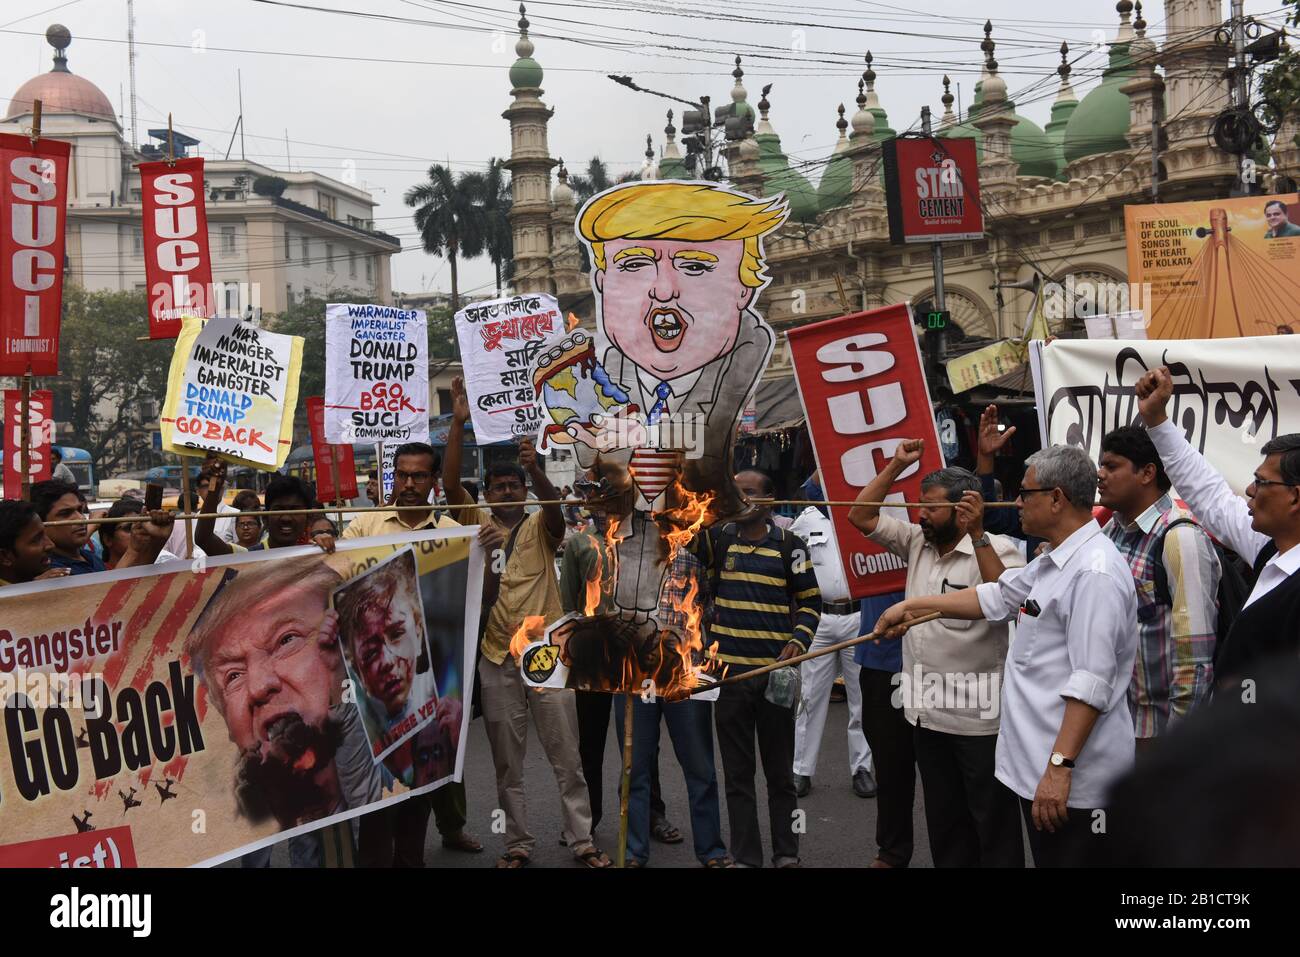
pixel 981 542
pixel 1060 760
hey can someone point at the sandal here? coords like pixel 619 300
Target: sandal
pixel 593 857
pixel 715 863
pixel 513 860
pixel 460 841
pixel 665 833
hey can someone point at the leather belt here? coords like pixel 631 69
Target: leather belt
pixel 839 608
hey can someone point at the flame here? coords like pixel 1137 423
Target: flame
pixel 533 628
pixel 592 604
pixel 686 519
pixel 571 323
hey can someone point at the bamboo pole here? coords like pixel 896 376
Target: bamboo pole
pixel 806 656
pixel 354 509
pixel 189 521
pixel 338 488
pixel 25 436
pixel 625 789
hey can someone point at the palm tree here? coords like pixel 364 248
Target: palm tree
pixel 449 222
pixel 596 181
pixel 490 193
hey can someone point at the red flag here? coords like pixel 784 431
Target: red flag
pixel 863 392
pixel 177 264
pixel 325 453
pixel 41 423
pixel 34 208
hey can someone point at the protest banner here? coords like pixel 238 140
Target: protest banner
pixel 376 374
pixel 499 341
pixel 863 392
pixel 34 208
pixel 232 389
pixel 331 460
pixel 1217 268
pixel 385 458
pixel 128 706
pixel 41 436
pixel 1230 395
pixel 177 260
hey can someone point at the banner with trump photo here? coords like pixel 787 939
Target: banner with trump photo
pixel 863 393
pixel 1230 395
pixel 193 713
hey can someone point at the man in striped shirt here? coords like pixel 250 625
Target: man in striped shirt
pixel 766 606
pixel 1174 669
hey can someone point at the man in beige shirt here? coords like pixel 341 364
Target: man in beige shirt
pixel 951 684
pixel 520 582
pixel 395 836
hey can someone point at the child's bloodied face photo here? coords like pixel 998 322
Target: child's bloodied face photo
pixel 385 645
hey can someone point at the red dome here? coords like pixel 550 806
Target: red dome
pixel 61 92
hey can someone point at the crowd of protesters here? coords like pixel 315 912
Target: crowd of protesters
pixel 1074 634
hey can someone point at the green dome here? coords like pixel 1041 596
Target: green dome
pixel 1100 123
pixel 836 187
pixel 1055 130
pixel 526 73
pixel 778 177
pixel 1030 146
pixel 881 132
pixel 673 168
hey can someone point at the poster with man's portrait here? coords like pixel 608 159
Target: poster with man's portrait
pixel 381 633
pixel 176 714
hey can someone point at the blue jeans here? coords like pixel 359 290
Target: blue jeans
pixel 690 726
pixel 304 851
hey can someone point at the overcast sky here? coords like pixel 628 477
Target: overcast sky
pixel 433 91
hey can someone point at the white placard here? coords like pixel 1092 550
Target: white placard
pixel 376 374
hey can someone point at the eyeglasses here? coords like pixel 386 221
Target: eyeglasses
pixel 419 478
pixel 1260 482
pixel 1030 491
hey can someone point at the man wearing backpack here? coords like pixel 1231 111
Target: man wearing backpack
pixel 1176 572
pixel 766 608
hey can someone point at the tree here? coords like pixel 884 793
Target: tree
pixel 449 222
pixel 490 193
pixel 596 181
pixel 108 382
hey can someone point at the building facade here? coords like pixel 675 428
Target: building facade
pixel 1053 196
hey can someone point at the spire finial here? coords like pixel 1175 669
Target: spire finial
pixel 738 73
pixel 523 46
pixel 523 20
pixel 563 174
pixel 1064 70
pixel 947 98
pixel 869 74
pixel 862 97
pixel 670 131
pixel 1140 25
pixel 649 149
pixel 1125 9
pixel 59 37
pixel 988 46
pixel 763 104
pixel 841 124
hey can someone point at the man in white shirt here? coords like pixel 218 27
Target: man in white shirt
pixel 1066 731
pixel 839 622
pixel 1264 532
pixel 951 682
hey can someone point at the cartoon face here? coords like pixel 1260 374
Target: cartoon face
pixel 672 306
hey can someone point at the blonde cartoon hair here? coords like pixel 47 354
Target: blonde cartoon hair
pixel 694 212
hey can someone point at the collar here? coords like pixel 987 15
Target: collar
pixel 1287 562
pixel 430 522
pixel 1148 519
pixel 813 514
pixel 1063 552
pixel 773 534
pixel 681 386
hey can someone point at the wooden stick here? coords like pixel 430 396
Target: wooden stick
pixel 25 435
pixel 36 121
pixel 626 787
pixel 171 152
pixel 355 509
pixel 338 488
pixel 806 656
pixel 185 498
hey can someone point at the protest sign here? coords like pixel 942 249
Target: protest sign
pixel 863 393
pixel 330 459
pixel 128 709
pixel 1217 268
pixel 177 261
pixel 385 457
pixel 232 389
pixel 499 341
pixel 1230 395
pixel 376 374
pixel 34 208
pixel 41 436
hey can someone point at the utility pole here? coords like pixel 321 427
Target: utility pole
pixel 1240 93
pixel 130 56
pixel 936 248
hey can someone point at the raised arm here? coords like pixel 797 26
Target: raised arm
pixel 865 517
pixel 552 514
pixel 1220 510
pixel 205 529
pixel 451 459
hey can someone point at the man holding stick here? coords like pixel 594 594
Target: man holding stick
pixel 972 820
pixel 520 583
pixel 1065 733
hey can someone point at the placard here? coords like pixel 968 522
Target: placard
pixel 41 431
pixel 177 259
pixel 328 457
pixel 376 374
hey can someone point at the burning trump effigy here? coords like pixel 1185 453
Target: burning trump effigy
pixel 651 405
